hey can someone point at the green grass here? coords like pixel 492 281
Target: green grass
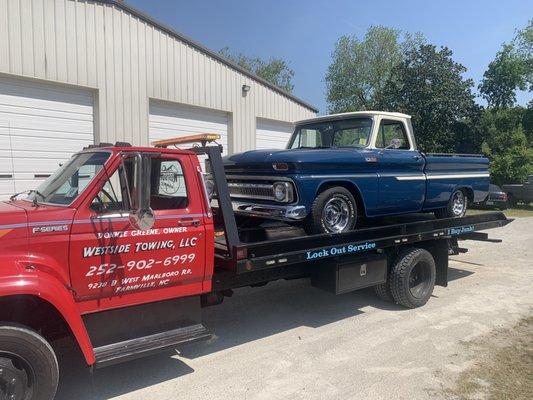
pixel 517 211
pixel 501 366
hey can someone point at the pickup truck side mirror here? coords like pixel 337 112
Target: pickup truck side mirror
pixel 395 143
pixel 142 216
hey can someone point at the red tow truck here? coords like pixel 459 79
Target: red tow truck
pixel 121 249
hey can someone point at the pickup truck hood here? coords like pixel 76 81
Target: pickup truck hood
pixel 307 160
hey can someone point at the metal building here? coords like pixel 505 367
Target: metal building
pixel 77 72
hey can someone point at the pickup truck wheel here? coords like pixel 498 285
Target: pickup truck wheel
pixel 333 211
pixel 456 206
pixel 28 365
pixel 412 278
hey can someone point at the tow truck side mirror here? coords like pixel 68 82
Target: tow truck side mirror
pixel 142 216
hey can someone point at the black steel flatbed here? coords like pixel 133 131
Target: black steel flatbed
pixel 290 249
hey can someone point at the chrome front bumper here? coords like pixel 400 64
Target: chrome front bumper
pixel 287 213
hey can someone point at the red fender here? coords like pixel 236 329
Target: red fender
pixel 52 290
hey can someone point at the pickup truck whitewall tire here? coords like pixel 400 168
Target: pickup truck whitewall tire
pixel 333 211
pixel 456 207
pixel 28 365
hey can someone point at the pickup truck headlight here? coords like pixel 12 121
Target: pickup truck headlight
pixel 283 192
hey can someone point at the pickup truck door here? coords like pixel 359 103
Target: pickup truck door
pixel 402 182
pixel 117 265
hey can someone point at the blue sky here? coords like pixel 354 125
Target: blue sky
pixel 304 32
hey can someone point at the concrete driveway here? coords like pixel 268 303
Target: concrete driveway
pixel 288 340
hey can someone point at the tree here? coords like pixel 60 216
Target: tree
pixel 430 87
pixel 360 69
pixel 511 70
pixel 506 145
pixel 274 70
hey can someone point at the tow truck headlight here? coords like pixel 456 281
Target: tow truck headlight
pixel 283 191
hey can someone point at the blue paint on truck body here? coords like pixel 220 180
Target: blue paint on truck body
pixel 385 181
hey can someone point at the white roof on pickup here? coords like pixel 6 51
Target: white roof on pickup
pixel 354 114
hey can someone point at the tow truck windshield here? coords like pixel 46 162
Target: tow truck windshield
pixel 69 181
pixel 353 132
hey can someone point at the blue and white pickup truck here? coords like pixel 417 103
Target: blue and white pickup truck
pixel 338 167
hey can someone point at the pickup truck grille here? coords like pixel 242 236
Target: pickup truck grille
pixel 251 190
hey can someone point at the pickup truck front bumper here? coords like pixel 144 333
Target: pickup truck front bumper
pixel 284 213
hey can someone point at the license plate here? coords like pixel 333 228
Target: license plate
pixel 490 203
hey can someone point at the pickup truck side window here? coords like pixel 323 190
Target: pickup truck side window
pixel 388 130
pixel 168 188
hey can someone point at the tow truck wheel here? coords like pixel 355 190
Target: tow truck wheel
pixel 383 291
pixel 28 365
pixel 412 277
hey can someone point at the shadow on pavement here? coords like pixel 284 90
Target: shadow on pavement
pixel 251 314
pixel 76 381
pixel 456 273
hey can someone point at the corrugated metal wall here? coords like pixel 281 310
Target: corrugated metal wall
pixel 127 61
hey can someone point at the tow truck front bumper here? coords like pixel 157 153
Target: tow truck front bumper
pixel 271 211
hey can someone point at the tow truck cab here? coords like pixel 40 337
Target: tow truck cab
pixel 120 249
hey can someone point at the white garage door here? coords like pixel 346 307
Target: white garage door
pixel 41 126
pixel 172 120
pixel 272 134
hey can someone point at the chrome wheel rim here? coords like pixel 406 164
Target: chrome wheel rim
pixel 458 203
pixel 336 215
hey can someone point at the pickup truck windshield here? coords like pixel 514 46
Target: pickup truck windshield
pixel 353 132
pixel 69 181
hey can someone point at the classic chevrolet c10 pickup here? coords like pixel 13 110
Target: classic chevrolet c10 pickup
pixel 338 167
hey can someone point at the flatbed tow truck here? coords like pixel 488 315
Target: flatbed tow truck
pixel 121 249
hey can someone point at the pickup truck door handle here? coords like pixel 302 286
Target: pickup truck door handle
pixel 417 157
pixel 189 222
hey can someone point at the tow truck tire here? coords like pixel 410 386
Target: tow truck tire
pixel 333 211
pixel 456 207
pixel 28 365
pixel 412 277
pixel 383 291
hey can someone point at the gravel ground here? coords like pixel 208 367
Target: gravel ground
pixel 288 340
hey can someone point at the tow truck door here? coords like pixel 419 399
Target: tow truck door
pixel 117 265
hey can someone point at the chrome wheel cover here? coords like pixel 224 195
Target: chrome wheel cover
pixel 336 214
pixel 458 203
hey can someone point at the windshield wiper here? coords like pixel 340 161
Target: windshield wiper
pixel 13 197
pixel 35 197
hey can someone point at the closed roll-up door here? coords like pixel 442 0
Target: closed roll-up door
pixel 272 134
pixel 41 126
pixel 169 120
